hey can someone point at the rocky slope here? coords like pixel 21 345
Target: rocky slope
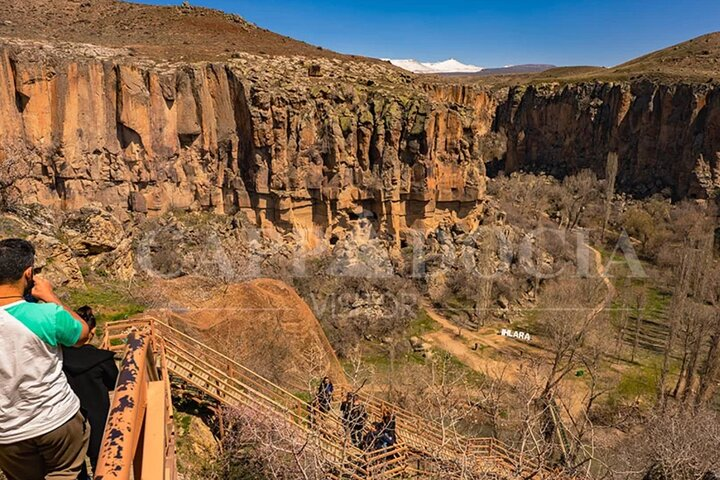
pixel 177 33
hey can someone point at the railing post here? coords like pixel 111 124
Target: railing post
pixel 127 413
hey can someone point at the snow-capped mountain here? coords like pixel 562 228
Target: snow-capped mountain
pixel 453 66
pixel 447 66
pixel 412 65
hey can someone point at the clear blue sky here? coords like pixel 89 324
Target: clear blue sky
pixel 486 33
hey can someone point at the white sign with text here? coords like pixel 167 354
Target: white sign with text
pixel 515 334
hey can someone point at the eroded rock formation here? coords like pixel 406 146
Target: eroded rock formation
pixel 667 136
pixel 306 144
pixel 256 134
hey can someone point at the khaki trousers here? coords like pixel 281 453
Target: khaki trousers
pixel 57 455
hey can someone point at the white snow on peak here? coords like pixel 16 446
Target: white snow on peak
pixel 446 66
pixel 411 65
pixel 453 66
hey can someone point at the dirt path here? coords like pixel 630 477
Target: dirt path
pixel 602 274
pixel 499 356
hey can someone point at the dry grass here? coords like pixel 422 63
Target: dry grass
pixel 172 33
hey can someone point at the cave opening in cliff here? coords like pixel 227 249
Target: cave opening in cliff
pixel 128 136
pixel 495 167
pixel 187 139
pixel 21 101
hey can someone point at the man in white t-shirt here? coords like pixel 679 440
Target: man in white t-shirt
pixel 43 435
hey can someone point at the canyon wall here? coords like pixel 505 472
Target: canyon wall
pixel 257 134
pixel 667 136
pixel 306 145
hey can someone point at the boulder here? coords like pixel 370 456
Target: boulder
pixel 92 231
pixel 57 261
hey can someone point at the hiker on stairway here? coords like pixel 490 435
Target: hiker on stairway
pixel 325 395
pixel 322 401
pixel 345 408
pixel 358 418
pixel 354 417
pixel 92 374
pixel 42 432
pixel 389 428
pixel 383 435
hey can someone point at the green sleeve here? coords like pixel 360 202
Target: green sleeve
pixel 67 328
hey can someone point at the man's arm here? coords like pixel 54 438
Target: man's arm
pixel 43 291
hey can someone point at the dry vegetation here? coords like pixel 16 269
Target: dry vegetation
pixel 172 33
pixel 696 60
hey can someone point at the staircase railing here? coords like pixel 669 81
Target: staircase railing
pixel 235 385
pixel 139 439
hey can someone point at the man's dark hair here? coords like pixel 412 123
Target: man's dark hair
pixel 16 256
pixel 87 314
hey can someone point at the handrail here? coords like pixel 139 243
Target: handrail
pixel 139 394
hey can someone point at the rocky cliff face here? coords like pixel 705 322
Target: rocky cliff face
pixel 667 136
pixel 308 144
pixel 295 143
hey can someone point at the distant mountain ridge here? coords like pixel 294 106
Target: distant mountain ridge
pixel 455 67
pixel 511 70
pixel 446 66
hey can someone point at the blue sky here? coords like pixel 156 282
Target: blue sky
pixel 486 33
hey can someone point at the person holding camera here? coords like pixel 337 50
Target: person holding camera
pixel 42 432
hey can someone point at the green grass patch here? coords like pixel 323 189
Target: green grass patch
pixel 657 303
pixel 472 377
pixel 459 303
pixel 304 396
pixel 381 363
pixel 422 324
pixel 108 301
pixel 182 422
pixel 10 228
pixel 636 384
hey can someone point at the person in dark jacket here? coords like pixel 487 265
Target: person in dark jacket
pixel 92 374
pixel 325 395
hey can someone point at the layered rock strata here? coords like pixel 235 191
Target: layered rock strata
pixel 303 144
pixel 256 134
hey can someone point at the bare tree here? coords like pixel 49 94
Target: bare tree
pixel 623 323
pixel 611 170
pixel 257 445
pixel 566 319
pixel 693 313
pixel 640 301
pixel 580 190
pixel 678 445
pixel 710 371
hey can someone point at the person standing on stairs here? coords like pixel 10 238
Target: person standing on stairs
pixel 92 374
pixel 345 409
pixel 325 394
pixel 354 417
pixel 43 435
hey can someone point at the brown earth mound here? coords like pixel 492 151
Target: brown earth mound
pixel 263 324
pixel 171 33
